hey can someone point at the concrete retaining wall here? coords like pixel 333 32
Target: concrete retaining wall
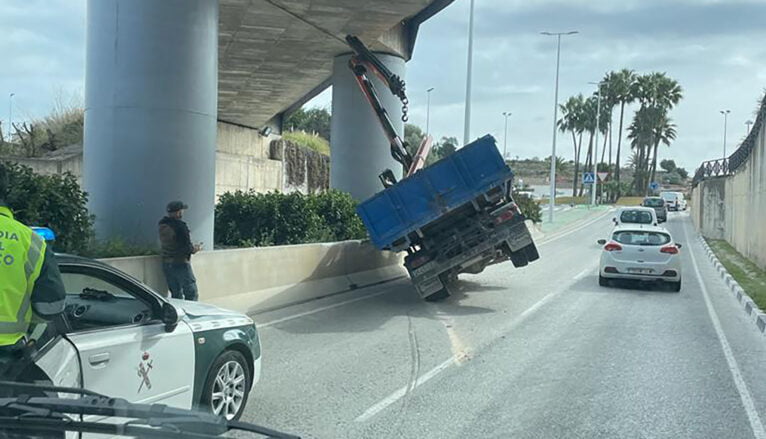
pixel 734 207
pixel 257 279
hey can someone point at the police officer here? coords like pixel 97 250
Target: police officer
pixel 30 282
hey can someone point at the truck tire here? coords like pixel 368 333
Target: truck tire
pixel 531 251
pixel 438 296
pixel 519 258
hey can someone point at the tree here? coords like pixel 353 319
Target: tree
pixel 622 86
pixel 447 145
pixel 572 120
pixel 668 165
pixel 413 135
pixel 683 173
pixel 313 120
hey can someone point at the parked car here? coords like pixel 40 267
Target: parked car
pixel 636 215
pixel 659 206
pixel 640 252
pixel 120 338
pixel 672 200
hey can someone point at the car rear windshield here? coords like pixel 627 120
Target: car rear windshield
pixel 641 237
pixel 654 202
pixel 636 217
pixel 669 196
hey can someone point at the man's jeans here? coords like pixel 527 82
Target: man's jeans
pixel 181 280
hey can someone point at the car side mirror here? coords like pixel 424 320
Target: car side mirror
pixel 601 241
pixel 678 245
pixel 169 317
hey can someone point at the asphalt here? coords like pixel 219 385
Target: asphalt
pixel 537 352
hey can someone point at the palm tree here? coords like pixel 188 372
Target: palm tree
pixel 622 86
pixel 665 133
pixel 657 94
pixel 571 120
pixel 608 102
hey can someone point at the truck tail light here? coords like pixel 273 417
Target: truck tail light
pixel 418 261
pixel 506 215
pixel 669 249
pixel 612 246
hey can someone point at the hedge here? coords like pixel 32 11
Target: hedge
pixel 250 219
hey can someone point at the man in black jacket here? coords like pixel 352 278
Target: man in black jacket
pixel 177 249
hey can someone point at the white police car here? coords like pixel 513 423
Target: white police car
pixel 120 338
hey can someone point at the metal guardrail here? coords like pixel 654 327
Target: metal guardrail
pixel 729 165
pixel 712 168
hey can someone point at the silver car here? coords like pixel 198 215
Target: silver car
pixel 640 252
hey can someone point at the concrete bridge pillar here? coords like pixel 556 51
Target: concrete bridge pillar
pixel 150 118
pixel 359 148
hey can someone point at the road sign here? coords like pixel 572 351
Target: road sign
pixel 587 178
pixel 602 175
pixel 654 186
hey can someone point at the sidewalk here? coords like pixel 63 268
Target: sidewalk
pixel 569 215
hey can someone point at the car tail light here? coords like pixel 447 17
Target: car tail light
pixel 505 216
pixel 669 249
pixel 418 261
pixel 610 270
pixel 670 273
pixel 612 246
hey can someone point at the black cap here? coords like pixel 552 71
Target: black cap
pixel 175 206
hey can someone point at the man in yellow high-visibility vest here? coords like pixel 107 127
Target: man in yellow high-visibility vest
pixel 30 281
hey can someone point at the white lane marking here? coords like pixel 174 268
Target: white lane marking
pixel 569 232
pixel 320 309
pixel 392 398
pixel 583 273
pixel 455 359
pixel 739 381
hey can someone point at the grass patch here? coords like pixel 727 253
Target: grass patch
pixel 629 201
pixel 572 200
pixel 750 277
pixel 307 140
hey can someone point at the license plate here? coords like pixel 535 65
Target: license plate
pixel 640 270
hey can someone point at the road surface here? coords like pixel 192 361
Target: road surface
pixel 538 352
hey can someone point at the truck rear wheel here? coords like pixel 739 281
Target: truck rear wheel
pixel 519 258
pixel 438 296
pixel 531 251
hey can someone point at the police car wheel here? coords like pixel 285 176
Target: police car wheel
pixel 227 386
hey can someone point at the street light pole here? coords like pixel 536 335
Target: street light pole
pixel 507 114
pixel 555 116
pixel 10 116
pixel 428 111
pixel 749 123
pixel 594 156
pixel 725 121
pixel 467 122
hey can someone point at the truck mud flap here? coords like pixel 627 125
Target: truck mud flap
pixel 519 238
pixel 427 287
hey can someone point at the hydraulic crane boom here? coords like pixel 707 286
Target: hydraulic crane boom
pixel 362 62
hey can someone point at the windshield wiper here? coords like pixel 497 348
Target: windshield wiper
pixel 25 413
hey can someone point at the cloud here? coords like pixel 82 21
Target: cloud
pixel 43 53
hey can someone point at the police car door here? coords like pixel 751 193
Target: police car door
pixel 124 350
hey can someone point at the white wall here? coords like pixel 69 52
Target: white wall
pixel 256 279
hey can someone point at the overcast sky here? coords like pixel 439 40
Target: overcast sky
pixel 714 49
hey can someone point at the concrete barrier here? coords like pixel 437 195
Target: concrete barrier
pixel 252 280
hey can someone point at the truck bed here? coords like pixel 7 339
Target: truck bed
pixel 434 191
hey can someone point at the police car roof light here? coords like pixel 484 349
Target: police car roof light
pixel 46 233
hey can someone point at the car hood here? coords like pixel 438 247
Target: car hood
pixel 195 310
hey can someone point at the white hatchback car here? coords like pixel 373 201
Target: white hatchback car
pixel 640 252
pixel 636 215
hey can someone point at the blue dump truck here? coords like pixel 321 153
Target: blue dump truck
pixel 454 216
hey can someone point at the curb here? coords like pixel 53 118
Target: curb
pixel 755 315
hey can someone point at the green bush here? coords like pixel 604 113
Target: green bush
pixel 54 201
pixel 307 140
pixel 529 207
pixel 116 248
pixel 250 219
